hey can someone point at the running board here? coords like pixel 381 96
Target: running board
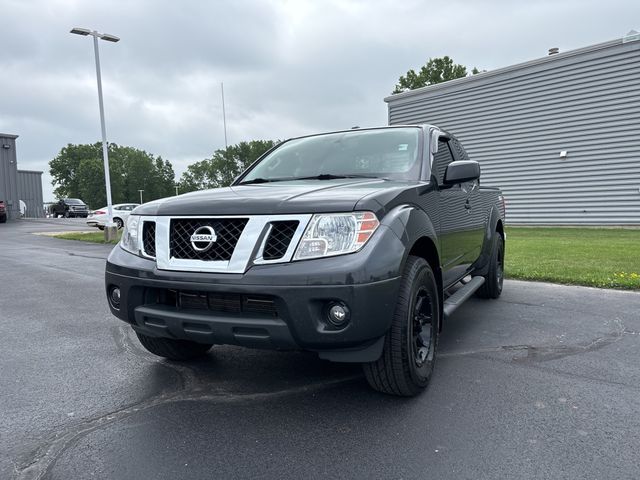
pixel 452 303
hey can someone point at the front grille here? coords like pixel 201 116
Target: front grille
pixel 228 303
pixel 149 238
pixel 279 239
pixel 227 231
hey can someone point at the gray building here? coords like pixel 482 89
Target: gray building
pixel 560 134
pixel 18 185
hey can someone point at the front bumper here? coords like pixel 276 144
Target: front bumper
pixel 221 308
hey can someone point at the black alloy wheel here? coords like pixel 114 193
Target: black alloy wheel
pixel 423 329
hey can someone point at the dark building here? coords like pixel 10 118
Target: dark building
pixel 18 185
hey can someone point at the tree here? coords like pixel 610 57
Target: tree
pixel 78 171
pixel 224 166
pixel 436 70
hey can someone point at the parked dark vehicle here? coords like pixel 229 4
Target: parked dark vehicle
pixel 3 212
pixel 356 245
pixel 70 207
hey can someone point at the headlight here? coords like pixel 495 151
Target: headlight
pixel 336 234
pixel 131 235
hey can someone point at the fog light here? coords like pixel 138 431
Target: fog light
pixel 338 314
pixel 115 297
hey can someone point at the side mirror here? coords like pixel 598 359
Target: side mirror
pixel 462 171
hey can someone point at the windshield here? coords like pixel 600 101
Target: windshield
pixel 385 153
pixel 74 201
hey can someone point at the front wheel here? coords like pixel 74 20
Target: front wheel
pixel 173 349
pixel 409 353
pixel 118 222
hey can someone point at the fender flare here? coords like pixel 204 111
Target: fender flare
pixel 481 265
pixel 418 235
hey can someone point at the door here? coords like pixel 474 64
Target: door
pixel 457 235
pixel 476 206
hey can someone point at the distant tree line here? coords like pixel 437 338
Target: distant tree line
pixel 224 166
pixel 78 172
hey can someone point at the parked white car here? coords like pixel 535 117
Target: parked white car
pixel 121 211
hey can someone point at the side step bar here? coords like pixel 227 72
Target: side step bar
pixel 454 301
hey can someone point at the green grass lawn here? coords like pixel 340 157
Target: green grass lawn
pixel 93 237
pixel 596 257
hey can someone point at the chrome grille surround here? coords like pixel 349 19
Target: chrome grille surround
pixel 248 250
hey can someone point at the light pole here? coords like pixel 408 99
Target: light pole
pixel 109 231
pixel 177 185
pixel 141 196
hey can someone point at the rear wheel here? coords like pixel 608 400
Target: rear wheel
pixel 173 349
pixel 118 222
pixel 100 227
pixel 493 280
pixel 66 214
pixel 409 353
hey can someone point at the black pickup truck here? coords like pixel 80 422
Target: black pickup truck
pixel 69 207
pixel 355 244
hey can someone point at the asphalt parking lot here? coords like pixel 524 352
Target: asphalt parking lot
pixel 543 383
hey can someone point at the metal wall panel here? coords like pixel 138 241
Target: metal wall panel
pixel 515 121
pixel 8 174
pixel 30 192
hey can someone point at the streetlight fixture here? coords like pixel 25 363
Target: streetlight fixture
pixel 109 231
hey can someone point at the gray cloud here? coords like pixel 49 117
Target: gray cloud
pixel 289 66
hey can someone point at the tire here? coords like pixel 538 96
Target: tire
pixel 100 228
pixel 173 349
pixel 493 280
pixel 3 219
pixel 118 222
pixel 408 356
pixel 66 214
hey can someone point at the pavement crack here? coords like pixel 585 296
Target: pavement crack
pixel 554 352
pixel 526 304
pixel 73 254
pixel 42 459
pixel 545 353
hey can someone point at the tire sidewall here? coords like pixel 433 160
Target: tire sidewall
pixel 497 256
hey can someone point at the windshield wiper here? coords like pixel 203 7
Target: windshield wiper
pixel 322 176
pixel 330 176
pixel 263 180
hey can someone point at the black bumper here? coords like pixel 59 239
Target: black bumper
pixel 230 308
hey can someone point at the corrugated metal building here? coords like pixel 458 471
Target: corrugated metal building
pixel 16 185
pixel 560 135
pixel 30 192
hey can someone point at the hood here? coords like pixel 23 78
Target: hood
pixel 296 196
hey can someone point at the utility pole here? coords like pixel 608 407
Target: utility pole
pixel 110 228
pixel 224 116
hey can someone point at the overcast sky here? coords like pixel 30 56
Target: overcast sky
pixel 289 67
